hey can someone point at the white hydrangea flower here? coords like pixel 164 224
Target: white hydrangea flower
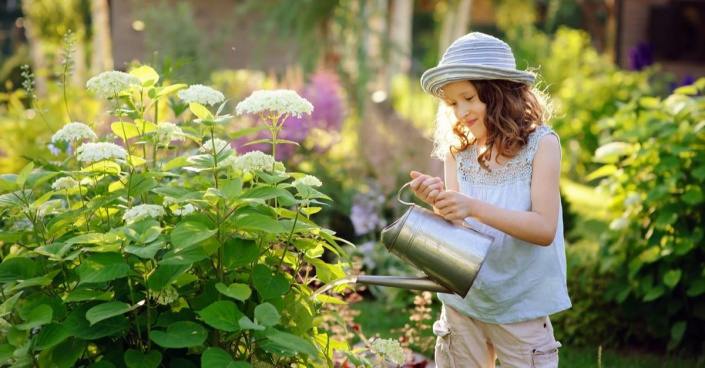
pixel 390 350
pixel 143 211
pixel 229 161
pixel 168 201
pixel 185 210
pixel 283 101
pixel 74 132
pixel 92 152
pixel 87 182
pixel 254 161
pixel 309 180
pixel 168 132
pixel 167 296
pixel 619 224
pixel 108 84
pixel 632 199
pixel 64 183
pixel 209 145
pixel 201 94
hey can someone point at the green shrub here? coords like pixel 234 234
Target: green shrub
pixel 654 169
pixel 169 250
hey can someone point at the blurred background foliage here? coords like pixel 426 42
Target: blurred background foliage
pixel 633 166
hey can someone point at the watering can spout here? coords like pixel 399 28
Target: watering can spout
pixel 411 283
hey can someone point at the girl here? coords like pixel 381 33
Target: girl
pixel 502 167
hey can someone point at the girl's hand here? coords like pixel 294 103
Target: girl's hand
pixel 426 187
pixel 453 205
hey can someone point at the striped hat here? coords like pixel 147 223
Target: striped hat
pixel 475 56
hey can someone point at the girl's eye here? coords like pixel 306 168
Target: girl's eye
pixel 469 98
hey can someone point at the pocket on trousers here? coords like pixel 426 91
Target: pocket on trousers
pixel 545 356
pixel 443 357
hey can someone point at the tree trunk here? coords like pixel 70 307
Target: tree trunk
pixel 455 23
pixel 400 38
pixel 39 63
pixel 102 58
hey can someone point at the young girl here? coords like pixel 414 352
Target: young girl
pixel 502 167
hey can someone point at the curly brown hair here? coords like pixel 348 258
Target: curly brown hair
pixel 513 112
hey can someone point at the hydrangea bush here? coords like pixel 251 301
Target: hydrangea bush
pixel 159 246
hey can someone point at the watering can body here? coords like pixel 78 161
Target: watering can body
pixel 449 253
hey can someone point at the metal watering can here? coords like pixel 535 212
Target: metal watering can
pixel 449 253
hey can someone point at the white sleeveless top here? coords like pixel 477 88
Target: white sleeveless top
pixel 518 281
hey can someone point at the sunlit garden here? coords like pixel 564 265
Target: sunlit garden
pixel 194 201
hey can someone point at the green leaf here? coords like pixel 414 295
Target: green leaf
pixel 51 335
pixel 182 256
pixel 107 167
pixel 36 179
pixel 268 286
pixel 14 269
pixel 247 131
pixel 147 75
pixel 611 153
pixel 257 222
pixel 24 174
pixel 199 110
pixel 6 352
pixel 8 186
pixel 290 342
pixel 223 315
pixel 189 232
pixel 671 278
pixel 102 364
pixel 247 324
pixel 67 353
pixel 145 126
pixel 82 295
pixel 693 195
pixel 240 292
pixel 107 310
pixel 39 316
pixel 649 102
pixel 9 304
pixel 102 267
pixel 654 293
pixel 689 90
pixel 137 359
pixel 219 358
pixel 266 314
pixel 175 163
pixel 77 324
pixel 239 252
pixel 605 170
pixel 94 238
pixel 677 332
pixel 147 251
pixel 163 91
pixel 183 334
pixel 125 130
pixel 165 275
pixel 696 288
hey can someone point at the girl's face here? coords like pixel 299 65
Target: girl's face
pixel 468 109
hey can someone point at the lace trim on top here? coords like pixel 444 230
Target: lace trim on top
pixel 518 168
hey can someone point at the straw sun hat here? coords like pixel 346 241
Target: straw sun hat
pixel 475 56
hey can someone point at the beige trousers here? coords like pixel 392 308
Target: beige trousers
pixel 464 342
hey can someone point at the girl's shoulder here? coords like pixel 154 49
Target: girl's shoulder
pixel 517 168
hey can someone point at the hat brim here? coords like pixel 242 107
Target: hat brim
pixel 435 78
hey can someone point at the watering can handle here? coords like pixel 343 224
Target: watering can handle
pixel 459 222
pixel 399 194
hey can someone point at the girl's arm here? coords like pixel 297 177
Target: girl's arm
pixel 537 226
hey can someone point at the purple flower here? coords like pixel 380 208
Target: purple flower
pixel 641 56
